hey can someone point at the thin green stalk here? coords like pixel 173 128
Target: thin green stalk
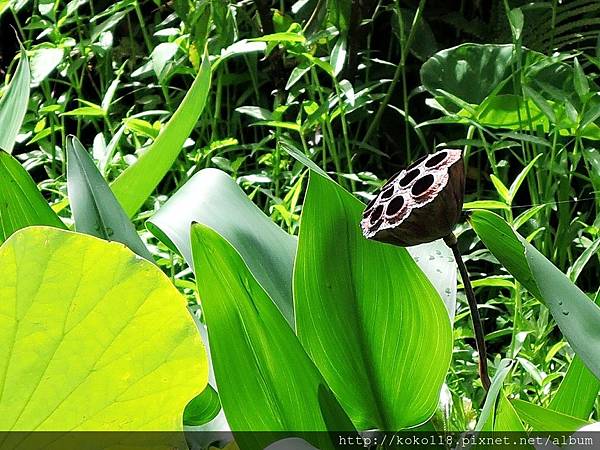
pixel 516 319
pixel 345 132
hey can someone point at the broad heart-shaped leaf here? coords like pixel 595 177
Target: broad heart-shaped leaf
pixel 21 203
pixel 137 182
pixel 13 104
pixel 92 337
pixel 543 419
pixel 212 198
pixel 577 316
pixel 95 209
pixel 367 315
pixel 469 71
pixel 266 380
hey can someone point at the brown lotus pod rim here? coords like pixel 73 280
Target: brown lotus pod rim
pixel 412 188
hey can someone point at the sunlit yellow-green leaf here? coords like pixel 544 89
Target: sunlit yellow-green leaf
pixel 577 392
pixel 92 337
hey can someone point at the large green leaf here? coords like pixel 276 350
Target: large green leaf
pixel 512 112
pixel 21 203
pixel 367 315
pixel 266 380
pixel 578 391
pixel 95 209
pixel 502 241
pixel 92 337
pixel 470 71
pixel 543 419
pixel 577 316
pixel 137 182
pixel 212 198
pixel 13 104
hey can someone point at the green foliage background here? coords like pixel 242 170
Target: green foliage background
pixel 158 91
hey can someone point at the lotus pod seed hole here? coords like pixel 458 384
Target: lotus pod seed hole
pixel 436 159
pixel 416 163
pixel 409 177
pixel 370 204
pixel 395 206
pixel 376 215
pixel 422 184
pixel 387 193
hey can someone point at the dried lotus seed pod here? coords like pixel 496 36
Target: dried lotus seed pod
pixel 420 204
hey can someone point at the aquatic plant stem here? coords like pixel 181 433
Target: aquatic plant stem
pixel 451 242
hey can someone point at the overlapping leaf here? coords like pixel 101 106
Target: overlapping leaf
pixel 266 380
pixel 21 203
pixel 543 419
pixel 212 198
pixel 577 316
pixel 137 182
pixel 13 104
pixel 367 315
pixel 95 209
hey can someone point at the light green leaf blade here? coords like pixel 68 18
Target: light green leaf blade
pixel 13 104
pixel 137 182
pixel 485 204
pixel 212 198
pixel 95 209
pixel 203 408
pixel 507 418
pixel 367 315
pixel 577 316
pixel 21 203
pixel 502 241
pixel 501 188
pixel 580 80
pixel 297 154
pixel 540 102
pixel 436 261
pixel 577 392
pixel 543 419
pixel 487 417
pixel 44 60
pixel 518 181
pixel 258 361
pixel 92 337
pixel 280 37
